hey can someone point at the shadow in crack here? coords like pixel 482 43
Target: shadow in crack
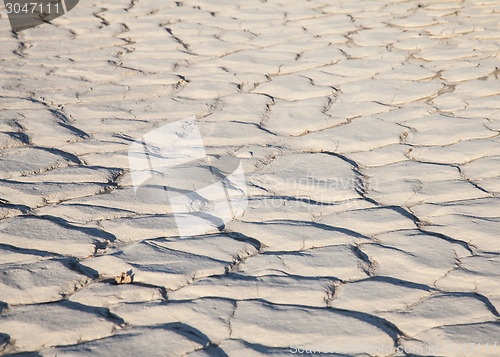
pixel 240 237
pixel 385 325
pixel 27 251
pixel 133 340
pixel 102 311
pixel 395 281
pixel 4 338
pixel 265 350
pixel 22 208
pixel 98 233
pixel 74 264
pixel 66 155
pixel 22 137
pixel 197 336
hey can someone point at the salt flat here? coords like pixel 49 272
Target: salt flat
pixel 369 136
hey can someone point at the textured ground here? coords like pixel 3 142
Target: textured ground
pixel 369 134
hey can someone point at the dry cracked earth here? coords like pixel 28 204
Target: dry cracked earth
pixel 369 136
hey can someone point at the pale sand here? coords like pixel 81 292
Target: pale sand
pixel 368 132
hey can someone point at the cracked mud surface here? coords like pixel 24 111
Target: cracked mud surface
pixel 369 135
